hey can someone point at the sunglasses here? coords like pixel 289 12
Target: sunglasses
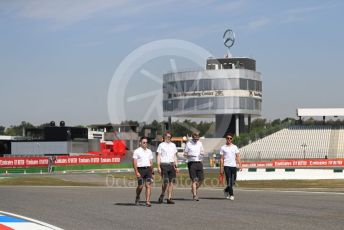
pixel 229 138
pixel 144 142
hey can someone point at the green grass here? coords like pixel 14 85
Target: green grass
pixel 47 181
pixel 65 168
pixel 212 180
pixel 183 180
pixel 69 168
pixel 290 184
pixel 23 170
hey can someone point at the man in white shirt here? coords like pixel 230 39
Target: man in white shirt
pixel 143 168
pixel 194 153
pixel 230 159
pixel 167 166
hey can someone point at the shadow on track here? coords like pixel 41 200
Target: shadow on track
pixel 212 198
pixel 141 203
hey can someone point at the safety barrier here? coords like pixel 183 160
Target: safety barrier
pixel 8 162
pixel 296 163
pixel 289 174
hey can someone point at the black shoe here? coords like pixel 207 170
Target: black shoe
pixel 137 200
pixel 170 201
pixel 161 199
pixel 148 205
pixel 195 198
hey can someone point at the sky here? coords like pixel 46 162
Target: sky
pixel 60 59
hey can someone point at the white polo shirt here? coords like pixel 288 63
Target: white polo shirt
pixel 229 155
pixel 167 152
pixel 194 151
pixel 143 157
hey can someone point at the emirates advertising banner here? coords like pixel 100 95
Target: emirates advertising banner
pixel 8 162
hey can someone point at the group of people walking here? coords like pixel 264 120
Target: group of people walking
pixel 168 168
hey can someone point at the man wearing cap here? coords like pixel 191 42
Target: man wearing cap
pixel 230 160
pixel 194 153
pixel 143 168
pixel 167 166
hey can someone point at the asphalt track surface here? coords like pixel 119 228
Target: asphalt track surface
pixel 113 208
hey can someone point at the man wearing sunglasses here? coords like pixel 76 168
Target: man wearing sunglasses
pixel 194 153
pixel 167 166
pixel 230 160
pixel 143 167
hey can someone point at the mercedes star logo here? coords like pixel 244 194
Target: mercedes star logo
pixel 228 38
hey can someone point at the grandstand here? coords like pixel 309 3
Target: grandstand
pixel 298 142
pixel 340 148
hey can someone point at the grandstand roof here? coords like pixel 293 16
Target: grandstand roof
pixel 313 112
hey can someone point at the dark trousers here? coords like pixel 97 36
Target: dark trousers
pixel 230 173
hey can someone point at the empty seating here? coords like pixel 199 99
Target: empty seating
pixel 294 142
pixel 340 152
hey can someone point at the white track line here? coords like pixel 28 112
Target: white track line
pixel 31 220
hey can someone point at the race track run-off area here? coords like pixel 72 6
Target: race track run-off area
pixel 113 208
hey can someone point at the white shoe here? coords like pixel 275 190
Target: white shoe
pixel 231 197
pixel 226 194
pixel 227 197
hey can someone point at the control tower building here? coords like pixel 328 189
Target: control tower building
pixel 229 89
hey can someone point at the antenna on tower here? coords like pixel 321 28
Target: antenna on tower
pixel 228 40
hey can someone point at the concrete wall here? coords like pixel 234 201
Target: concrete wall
pixel 78 146
pixel 39 148
pixel 48 147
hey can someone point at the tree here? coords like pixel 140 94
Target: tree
pixel 258 123
pixel 44 125
pixel 18 130
pixel 180 129
pixel 276 122
pixel 289 121
pixel 206 128
pixel 2 130
pixel 157 125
